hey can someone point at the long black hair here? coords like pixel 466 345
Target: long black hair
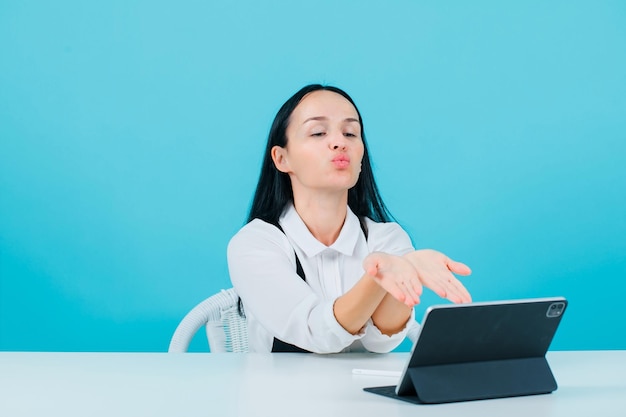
pixel 274 192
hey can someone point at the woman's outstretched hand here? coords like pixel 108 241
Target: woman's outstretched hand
pixel 436 271
pixel 396 274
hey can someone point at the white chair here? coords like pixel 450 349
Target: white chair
pixel 226 329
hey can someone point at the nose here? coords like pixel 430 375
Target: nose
pixel 338 142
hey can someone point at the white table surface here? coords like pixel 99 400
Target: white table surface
pixel 591 383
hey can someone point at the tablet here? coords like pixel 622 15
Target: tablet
pixel 479 351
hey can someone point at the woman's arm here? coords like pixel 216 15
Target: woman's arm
pixel 392 285
pixel 400 278
pixel 391 316
pixel 384 274
pixel 435 271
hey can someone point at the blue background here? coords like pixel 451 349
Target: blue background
pixel 131 135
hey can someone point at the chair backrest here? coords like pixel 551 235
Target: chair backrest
pixel 226 328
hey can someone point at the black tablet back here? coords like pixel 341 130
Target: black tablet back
pixel 481 350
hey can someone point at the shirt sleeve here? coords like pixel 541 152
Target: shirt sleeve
pixel 392 239
pixel 262 269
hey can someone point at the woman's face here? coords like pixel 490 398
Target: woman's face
pixel 324 146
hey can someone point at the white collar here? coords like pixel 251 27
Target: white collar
pixel 297 231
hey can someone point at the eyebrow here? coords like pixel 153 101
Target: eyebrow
pixel 324 118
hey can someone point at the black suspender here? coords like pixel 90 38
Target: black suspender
pixel 299 269
pixel 278 345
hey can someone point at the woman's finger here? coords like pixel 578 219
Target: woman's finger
pixel 458 268
pixel 462 292
pixel 413 290
pixel 446 285
pixel 455 290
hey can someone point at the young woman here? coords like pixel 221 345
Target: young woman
pixel 320 267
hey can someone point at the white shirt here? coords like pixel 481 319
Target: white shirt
pixel 278 303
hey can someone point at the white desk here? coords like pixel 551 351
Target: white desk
pixel 127 384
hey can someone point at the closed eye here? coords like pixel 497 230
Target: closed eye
pixel 318 134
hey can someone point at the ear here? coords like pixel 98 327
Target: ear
pixel 280 159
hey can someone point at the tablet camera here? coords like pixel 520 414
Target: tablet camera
pixel 555 309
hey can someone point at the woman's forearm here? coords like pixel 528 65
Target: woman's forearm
pixel 353 309
pixel 391 315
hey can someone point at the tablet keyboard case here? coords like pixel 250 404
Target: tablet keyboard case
pixel 481 352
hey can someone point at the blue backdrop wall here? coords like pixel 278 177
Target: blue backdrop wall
pixel 131 136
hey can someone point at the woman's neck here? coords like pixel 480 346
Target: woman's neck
pixel 323 214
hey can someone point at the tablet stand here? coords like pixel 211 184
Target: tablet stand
pixel 482 380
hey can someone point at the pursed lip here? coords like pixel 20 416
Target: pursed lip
pixel 341 158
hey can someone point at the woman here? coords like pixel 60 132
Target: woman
pixel 319 266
